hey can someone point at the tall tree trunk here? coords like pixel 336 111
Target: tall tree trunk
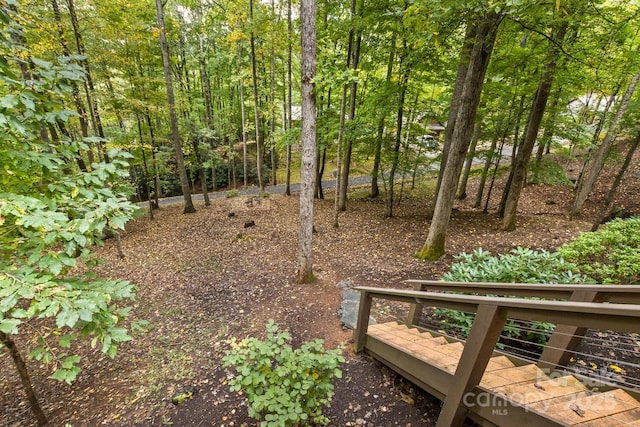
pixel 402 90
pixel 616 183
pixel 597 162
pixel 10 345
pixel 147 187
pixel 203 175
pixel 344 179
pixel 92 103
pixel 287 188
pixel 533 126
pixel 375 191
pixel 456 98
pixel 175 135
pixel 256 102
pixel 471 154
pixel 272 121
pixel 245 167
pixel 156 172
pixel 308 132
pixel 485 35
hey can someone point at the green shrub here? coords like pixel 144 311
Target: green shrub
pixel 609 255
pixel 284 387
pixel 232 193
pixel 521 265
pixel 549 173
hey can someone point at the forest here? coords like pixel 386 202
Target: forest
pixel 502 124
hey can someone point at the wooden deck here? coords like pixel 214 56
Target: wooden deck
pixel 508 387
pixel 474 380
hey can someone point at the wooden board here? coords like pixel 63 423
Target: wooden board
pixel 584 409
pixel 533 392
pixel 626 418
pixel 519 374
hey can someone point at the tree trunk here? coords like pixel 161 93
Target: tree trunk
pixel 308 133
pixel 485 34
pixel 354 58
pixel 462 186
pixel 175 135
pixel 616 183
pixel 375 191
pixel 402 90
pixel 245 166
pixel 456 98
pixel 597 162
pixel 256 102
pixel 287 187
pixel 24 378
pixel 92 103
pixel 533 126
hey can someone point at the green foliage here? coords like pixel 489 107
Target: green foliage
pixel 232 193
pixel 609 255
pixel 284 387
pixel 51 215
pixel 548 173
pixel 521 265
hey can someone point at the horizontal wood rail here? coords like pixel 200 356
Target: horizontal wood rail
pixel 491 315
pixel 566 338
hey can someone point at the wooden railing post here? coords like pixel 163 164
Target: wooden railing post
pixel 565 338
pixel 415 311
pixel 364 311
pixel 481 342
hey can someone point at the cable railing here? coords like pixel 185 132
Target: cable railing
pixel 581 308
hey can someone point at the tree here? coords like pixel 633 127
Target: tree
pixel 484 30
pixel 175 133
pixel 307 168
pixel 51 215
pixel 533 126
pixel 597 162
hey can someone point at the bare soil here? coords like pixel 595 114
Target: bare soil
pixel 204 278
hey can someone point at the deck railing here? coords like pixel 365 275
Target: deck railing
pixel 492 313
pixel 566 338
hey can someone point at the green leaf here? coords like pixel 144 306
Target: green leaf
pixel 10 326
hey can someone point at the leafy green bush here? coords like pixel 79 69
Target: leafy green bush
pixel 284 387
pixel 549 173
pixel 521 265
pixel 609 255
pixel 232 193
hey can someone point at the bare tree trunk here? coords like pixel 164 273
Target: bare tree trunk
pixel 375 191
pixel 175 135
pixel 402 90
pixel 597 162
pixel 354 58
pixel 92 103
pixel 287 189
pixel 308 132
pixel 616 184
pixel 485 34
pixel 6 340
pixel 463 65
pixel 462 186
pixel 245 166
pixel 533 126
pixel 256 102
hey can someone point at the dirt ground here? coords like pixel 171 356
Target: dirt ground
pixel 205 278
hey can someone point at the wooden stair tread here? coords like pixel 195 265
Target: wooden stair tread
pixel 591 407
pixel 532 392
pixel 400 338
pixel 499 362
pixel 626 418
pixel 519 374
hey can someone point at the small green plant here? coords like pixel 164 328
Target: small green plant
pixel 232 193
pixel 609 255
pixel 265 194
pixel 284 387
pixel 521 265
pixel 549 173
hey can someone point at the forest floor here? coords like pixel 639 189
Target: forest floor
pixel 204 279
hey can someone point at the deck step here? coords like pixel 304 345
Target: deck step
pixel 584 409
